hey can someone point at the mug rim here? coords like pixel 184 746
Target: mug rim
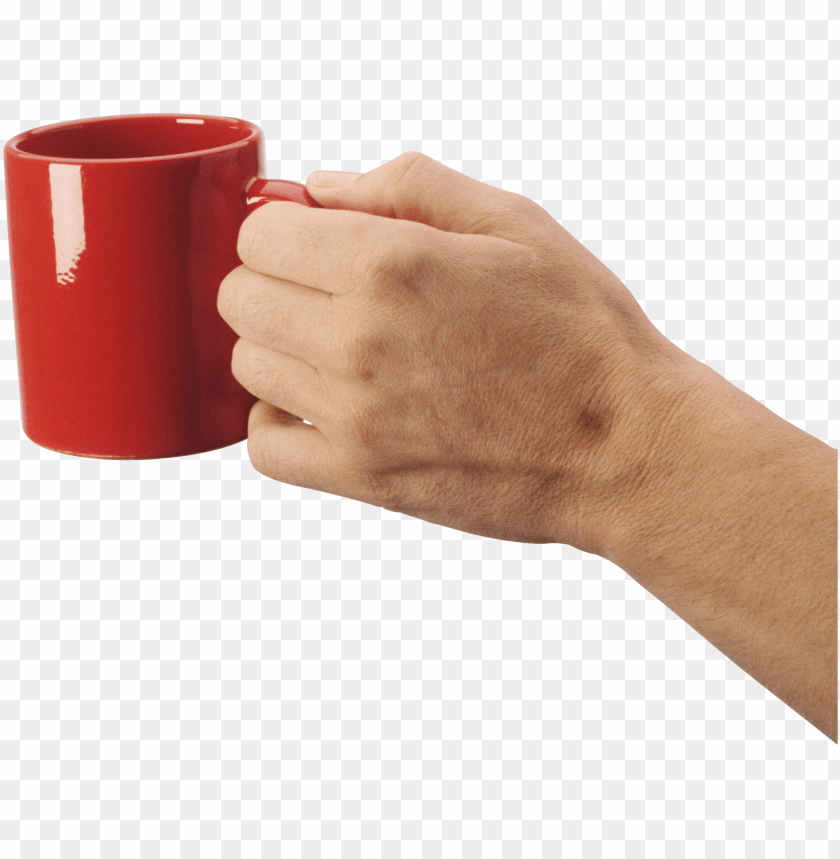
pixel 12 147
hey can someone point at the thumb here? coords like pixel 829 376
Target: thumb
pixel 414 187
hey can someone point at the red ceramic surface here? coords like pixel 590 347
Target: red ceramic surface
pixel 121 230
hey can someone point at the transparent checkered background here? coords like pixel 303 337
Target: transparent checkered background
pixel 196 661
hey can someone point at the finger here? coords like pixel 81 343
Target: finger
pixel 315 247
pixel 337 252
pixel 281 380
pixel 280 315
pixel 284 449
pixel 414 187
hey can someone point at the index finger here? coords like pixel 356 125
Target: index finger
pixel 320 248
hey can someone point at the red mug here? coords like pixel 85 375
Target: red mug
pixel 121 229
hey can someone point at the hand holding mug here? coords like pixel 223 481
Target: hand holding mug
pixel 458 356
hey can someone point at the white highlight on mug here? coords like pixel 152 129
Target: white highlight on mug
pixel 68 219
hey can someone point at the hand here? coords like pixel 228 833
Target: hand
pixel 460 357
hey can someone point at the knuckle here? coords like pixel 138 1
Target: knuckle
pixel 383 472
pixel 520 203
pixel 404 264
pixel 247 307
pixel 263 315
pixel 412 163
pixel 390 487
pixel 376 482
pixel 518 209
pixel 367 355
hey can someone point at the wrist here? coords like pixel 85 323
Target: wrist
pixel 732 523
pixel 702 473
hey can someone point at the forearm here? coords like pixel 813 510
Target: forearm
pixel 735 530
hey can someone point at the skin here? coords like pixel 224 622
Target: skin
pixel 461 358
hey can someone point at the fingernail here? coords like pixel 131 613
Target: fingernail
pixel 331 178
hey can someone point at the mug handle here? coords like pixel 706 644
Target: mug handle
pixel 258 192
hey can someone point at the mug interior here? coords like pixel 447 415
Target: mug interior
pixel 141 136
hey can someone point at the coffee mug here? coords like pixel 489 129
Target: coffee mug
pixel 121 229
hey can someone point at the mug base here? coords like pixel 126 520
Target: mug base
pixel 130 457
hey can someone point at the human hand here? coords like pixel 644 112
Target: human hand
pixel 463 359
pixel 460 357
